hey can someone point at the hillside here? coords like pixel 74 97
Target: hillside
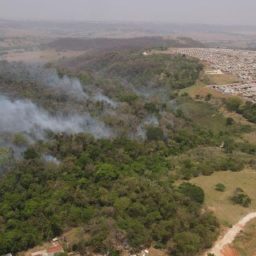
pixel 107 142
pixel 80 44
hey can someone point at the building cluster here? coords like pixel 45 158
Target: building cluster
pixel 241 63
pixel 247 91
pixel 52 250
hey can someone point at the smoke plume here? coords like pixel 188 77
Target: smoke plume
pixel 48 77
pixel 25 117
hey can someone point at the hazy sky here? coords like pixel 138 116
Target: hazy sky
pixel 180 11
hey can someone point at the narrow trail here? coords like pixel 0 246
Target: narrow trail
pixel 230 236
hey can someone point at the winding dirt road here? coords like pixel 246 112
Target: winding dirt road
pixel 229 237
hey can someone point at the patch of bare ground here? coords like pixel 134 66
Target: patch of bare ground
pixel 223 246
pixel 229 251
pixel 35 249
pixel 245 243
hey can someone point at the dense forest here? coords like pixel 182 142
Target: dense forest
pixel 120 191
pixel 128 188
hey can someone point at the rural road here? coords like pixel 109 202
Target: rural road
pixel 230 236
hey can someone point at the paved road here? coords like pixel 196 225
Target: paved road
pixel 231 234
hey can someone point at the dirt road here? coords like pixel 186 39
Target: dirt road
pixel 230 236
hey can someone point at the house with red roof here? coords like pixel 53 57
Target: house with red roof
pixel 56 248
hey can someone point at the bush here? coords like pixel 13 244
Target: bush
pixel 233 103
pixel 229 121
pixel 20 140
pixel 248 110
pixel 208 97
pixel 194 192
pixel 155 133
pixel 220 187
pixel 31 154
pixel 239 197
pixel 151 107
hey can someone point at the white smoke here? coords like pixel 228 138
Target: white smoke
pixel 151 120
pixel 25 117
pixel 68 85
pixel 102 98
pixel 43 76
pixel 51 159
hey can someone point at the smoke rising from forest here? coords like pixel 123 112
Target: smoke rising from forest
pixel 25 117
pixel 43 76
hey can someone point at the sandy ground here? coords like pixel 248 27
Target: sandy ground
pixel 229 237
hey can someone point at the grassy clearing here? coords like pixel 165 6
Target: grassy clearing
pixel 245 243
pixel 219 202
pixel 237 117
pixel 205 115
pixel 250 137
pixel 222 79
pixel 200 89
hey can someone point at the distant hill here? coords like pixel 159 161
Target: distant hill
pixel 79 44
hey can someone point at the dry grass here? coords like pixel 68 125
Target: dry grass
pixel 74 235
pixel 245 243
pixel 219 202
pixel 201 90
pixel 250 137
pixel 222 79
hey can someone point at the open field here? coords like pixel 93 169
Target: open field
pixel 201 88
pixel 200 91
pixel 224 78
pixel 219 202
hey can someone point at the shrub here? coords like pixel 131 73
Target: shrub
pixel 31 154
pixel 151 107
pixel 239 197
pixel 155 133
pixel 220 187
pixel 233 103
pixel 229 121
pixel 192 191
pixel 208 97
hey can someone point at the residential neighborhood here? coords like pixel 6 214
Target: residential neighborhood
pixel 240 63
